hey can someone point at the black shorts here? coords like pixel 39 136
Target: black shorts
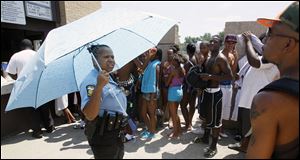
pixel 210 108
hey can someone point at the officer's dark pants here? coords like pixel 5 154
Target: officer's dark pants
pixel 108 146
pixel 42 115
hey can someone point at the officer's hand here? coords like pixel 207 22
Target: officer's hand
pixel 103 78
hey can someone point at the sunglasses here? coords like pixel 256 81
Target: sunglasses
pixel 269 34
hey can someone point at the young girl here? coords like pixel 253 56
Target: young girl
pixel 174 81
pixel 167 68
pixel 149 90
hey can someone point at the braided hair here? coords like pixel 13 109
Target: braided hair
pixel 94 48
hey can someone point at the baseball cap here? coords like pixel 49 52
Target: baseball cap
pixel 230 38
pixel 290 17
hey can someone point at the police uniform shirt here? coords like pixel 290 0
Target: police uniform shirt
pixel 110 92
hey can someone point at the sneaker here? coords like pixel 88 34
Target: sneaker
pixel 82 124
pixel 223 135
pixel 237 147
pixel 37 134
pixel 148 135
pixel 199 130
pixel 143 132
pixel 50 129
pixel 129 137
pixel 151 135
pixel 238 138
pixel 209 153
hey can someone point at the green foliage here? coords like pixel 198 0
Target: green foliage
pixel 190 39
pixel 222 35
pixel 205 37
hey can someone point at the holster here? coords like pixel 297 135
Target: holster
pixel 110 123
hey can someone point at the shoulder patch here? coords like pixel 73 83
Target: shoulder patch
pixel 89 90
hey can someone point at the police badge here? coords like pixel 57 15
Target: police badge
pixel 90 89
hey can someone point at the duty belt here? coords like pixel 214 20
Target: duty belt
pixel 106 123
pixel 109 122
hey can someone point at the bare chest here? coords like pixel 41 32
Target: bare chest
pixel 211 65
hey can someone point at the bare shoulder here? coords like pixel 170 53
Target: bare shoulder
pixel 193 59
pixel 271 103
pixel 221 58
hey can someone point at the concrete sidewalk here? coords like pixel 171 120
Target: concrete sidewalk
pixel 69 143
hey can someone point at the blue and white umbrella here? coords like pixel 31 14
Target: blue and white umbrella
pixel 63 60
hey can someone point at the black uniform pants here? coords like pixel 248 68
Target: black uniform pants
pixel 107 146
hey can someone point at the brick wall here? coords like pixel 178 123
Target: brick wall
pixel 73 10
pixel 240 27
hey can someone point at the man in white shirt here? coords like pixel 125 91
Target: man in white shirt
pixel 14 68
pixel 258 75
pixel 19 59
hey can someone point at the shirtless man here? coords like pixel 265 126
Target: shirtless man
pixel 275 113
pixel 217 69
pixel 226 86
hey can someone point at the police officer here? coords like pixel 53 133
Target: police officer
pixel 102 102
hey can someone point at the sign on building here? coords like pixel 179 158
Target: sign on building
pixel 13 12
pixel 39 10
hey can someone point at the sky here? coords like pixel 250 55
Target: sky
pixel 197 18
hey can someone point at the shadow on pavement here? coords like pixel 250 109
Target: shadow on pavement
pixel 192 150
pixel 235 156
pixel 13 139
pixel 71 137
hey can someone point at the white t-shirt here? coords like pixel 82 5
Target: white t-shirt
pixel 254 80
pixel 18 61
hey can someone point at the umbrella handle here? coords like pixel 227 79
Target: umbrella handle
pixel 95 60
pixel 109 85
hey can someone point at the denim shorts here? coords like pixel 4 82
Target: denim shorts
pixel 175 94
pixel 147 96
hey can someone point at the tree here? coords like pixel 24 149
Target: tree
pixel 206 37
pixel 222 35
pixel 190 39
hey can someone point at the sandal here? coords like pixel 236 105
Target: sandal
pixel 208 152
pixel 201 140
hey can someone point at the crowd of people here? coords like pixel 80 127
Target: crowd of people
pixel 234 86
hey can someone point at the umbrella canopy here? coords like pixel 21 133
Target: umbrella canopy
pixel 63 60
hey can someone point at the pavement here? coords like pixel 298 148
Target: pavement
pixel 69 143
